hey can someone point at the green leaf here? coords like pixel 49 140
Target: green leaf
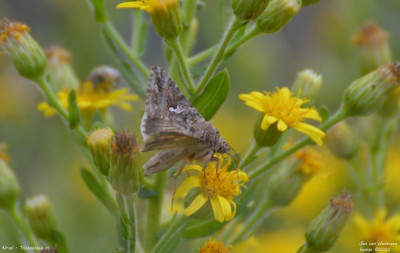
pixel 213 95
pixel 99 191
pixel 58 239
pixel 324 112
pixel 201 227
pixel 73 110
pixel 143 38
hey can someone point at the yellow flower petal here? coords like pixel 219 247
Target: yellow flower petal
pixel 187 184
pixel 136 4
pixel 267 121
pixel 225 207
pixel 217 209
pixel 197 203
pixel 313 132
pixel 282 126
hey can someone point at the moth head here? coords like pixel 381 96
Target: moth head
pixel 223 146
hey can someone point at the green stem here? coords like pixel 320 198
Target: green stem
pixel 138 22
pixel 204 55
pixel 253 150
pixel 130 202
pixel 23 225
pixel 53 102
pixel 154 210
pixel 174 229
pixel 188 11
pixel 110 29
pixel 306 249
pixel 340 115
pixel 232 28
pixel 264 210
pixel 176 46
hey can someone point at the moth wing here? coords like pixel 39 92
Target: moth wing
pixel 164 160
pixel 167 109
pixel 168 141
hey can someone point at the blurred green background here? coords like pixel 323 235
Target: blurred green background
pixel 47 161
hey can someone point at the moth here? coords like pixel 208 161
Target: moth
pixel 174 127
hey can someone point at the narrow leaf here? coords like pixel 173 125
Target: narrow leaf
pixel 99 191
pixel 99 10
pixel 324 112
pixel 213 95
pixel 202 227
pixel 73 110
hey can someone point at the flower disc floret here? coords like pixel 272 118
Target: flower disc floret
pixel 286 110
pixel 215 184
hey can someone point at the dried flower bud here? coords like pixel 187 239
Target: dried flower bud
pixel 61 74
pixel 41 217
pixel 286 183
pixel 9 188
pixel 104 78
pixel 99 142
pixel 367 94
pixel 307 84
pixel 28 57
pixel 268 137
pixel 165 15
pixel 277 15
pixel 248 9
pixel 342 141
pixel 324 230
pixel 374 47
pixel 126 173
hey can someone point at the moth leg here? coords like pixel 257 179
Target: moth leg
pixel 163 161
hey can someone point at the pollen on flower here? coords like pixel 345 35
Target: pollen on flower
pixel 213 246
pixel 9 29
pixel 216 185
pixel 286 110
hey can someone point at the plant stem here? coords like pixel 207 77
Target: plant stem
pixel 265 209
pixel 188 11
pixel 154 210
pixel 253 150
pixel 226 38
pixel 110 29
pixel 23 225
pixel 130 202
pixel 176 46
pixel 340 115
pixel 204 55
pixel 136 40
pixel 174 229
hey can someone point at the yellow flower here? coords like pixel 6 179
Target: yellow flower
pixel 212 246
pixel 310 161
pixel 89 99
pixel 216 185
pixel 380 229
pixel 165 15
pixel 3 155
pixel 286 111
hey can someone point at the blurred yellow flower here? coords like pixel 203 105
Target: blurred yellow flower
pixel 380 229
pixel 3 154
pixel 90 99
pixel 310 161
pixel 212 246
pixel 283 108
pixel 216 185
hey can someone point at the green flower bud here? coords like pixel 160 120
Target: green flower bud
pixel 286 183
pixel 99 143
pixel 268 137
pixel 126 173
pixel 374 47
pixel 307 84
pixel 28 57
pixel 367 94
pixel 342 140
pixel 165 15
pixel 61 74
pixel 277 15
pixel 324 230
pixel 9 188
pixel 248 9
pixel 41 217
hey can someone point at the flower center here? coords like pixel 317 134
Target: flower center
pixel 212 246
pixel 219 182
pixel 11 29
